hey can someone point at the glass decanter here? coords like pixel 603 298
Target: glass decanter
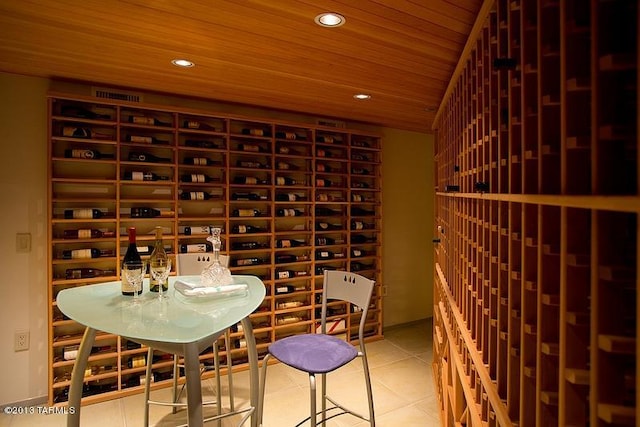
pixel 216 274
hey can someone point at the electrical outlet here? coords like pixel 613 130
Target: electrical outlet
pixel 21 341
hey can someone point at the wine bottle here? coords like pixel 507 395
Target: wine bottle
pixel 196 247
pixel 87 233
pixel 359 225
pixel 322 167
pixel 321 182
pixel 147 212
pixel 198 125
pixel 328 139
pixel 289 212
pixel 135 156
pixel 358 211
pixel 131 256
pixel 87 273
pixel 199 143
pixel 285 180
pixel 360 157
pixel 360 143
pixel 285 288
pixel 251 148
pixel 197 230
pixel 158 256
pixel 481 187
pixel 250 164
pixel 286 258
pixel 356 253
pixel 146 139
pixel 240 246
pixel 326 197
pixel 358 266
pixel 137 361
pixel 323 153
pixel 286 166
pixel 360 198
pixel 242 262
pixel 144 176
pixel 82 113
pixel 283 149
pixel 76 132
pixel 84 153
pixel 323 255
pixel 360 184
pixel 83 213
pixel 245 212
pixel 290 135
pixel 321 211
pixel 288 274
pixel 256 132
pixel 359 239
pixel 251 180
pixel 289 197
pixel 324 241
pixel 290 243
pixel 325 226
pixel 149 121
pixel 320 269
pixel 451 188
pixel 196 177
pixel 246 229
pixel 247 196
pixel 194 195
pixel 360 171
pixel 200 161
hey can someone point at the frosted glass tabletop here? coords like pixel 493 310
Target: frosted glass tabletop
pixel 177 319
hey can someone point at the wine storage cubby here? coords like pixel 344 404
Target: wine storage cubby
pixel 292 200
pixel 536 281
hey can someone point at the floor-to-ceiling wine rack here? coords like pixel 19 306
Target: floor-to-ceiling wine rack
pixel 292 199
pixel 536 281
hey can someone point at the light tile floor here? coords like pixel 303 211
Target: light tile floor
pixel 401 374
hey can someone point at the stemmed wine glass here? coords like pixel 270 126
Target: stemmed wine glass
pixel 160 269
pixel 134 271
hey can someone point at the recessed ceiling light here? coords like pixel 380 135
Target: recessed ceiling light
pixel 330 19
pixel 362 96
pixel 182 63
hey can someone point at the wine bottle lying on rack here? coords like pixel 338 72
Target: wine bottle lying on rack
pixel 287 258
pixel 290 243
pixel 199 143
pixel 289 212
pixel 321 211
pixel 326 197
pixel 322 167
pixel 84 153
pixel 82 113
pixel 245 212
pixel 149 121
pixel 246 229
pixel 289 197
pixel 360 157
pixel 328 139
pixel 144 176
pixel 360 184
pixel 357 253
pixel 201 161
pixel 285 288
pixel 87 233
pixel 197 177
pixel 198 125
pixel 87 213
pixel 247 196
pixel 284 166
pixel 145 139
pixel 285 180
pixel 147 212
pixel 87 253
pixel 359 239
pixel 242 262
pixel 327 241
pixel 358 211
pixel 359 225
pixel 197 230
pixel 84 133
pixel 87 273
pixel 250 164
pixel 321 182
pixel 324 255
pixel 195 195
pixel 290 135
pixel 135 156
pixel 360 171
pixel 256 132
pixel 288 274
pixel 283 149
pixel 358 143
pixel 325 226
pixel 250 180
pixel 240 246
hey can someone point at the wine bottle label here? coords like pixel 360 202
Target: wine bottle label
pixel 142 120
pixel 328 139
pixel 192 124
pixel 256 132
pixel 80 253
pixel 197 177
pixel 246 212
pixel 321 153
pixel 242 229
pixel 324 254
pixel 357 252
pixel 82 154
pixel 290 135
pixel 320 182
pixel 142 139
pixel 138 362
pixel 323 197
pixel 84 233
pixel 197 247
pixel 250 147
pixel 289 212
pixel 137 176
pixel 82 213
pixel 284 275
pixel 283 150
pixel 356 197
pixel 283 289
pixel 320 167
pixel 358 225
pixel 247 261
pixel 197 230
pixel 76 132
pixel 250 180
pixel 196 195
pixel 283 166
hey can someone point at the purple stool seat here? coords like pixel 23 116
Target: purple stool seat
pixel 313 353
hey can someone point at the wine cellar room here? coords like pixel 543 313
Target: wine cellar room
pixel 477 159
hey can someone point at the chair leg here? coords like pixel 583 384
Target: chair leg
pixel 263 381
pixel 323 393
pixel 147 386
pixel 367 379
pixel 176 374
pixel 312 392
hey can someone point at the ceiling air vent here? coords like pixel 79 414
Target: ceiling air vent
pixel 338 124
pixel 105 93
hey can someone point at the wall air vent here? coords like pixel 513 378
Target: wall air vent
pixel 338 124
pixel 119 95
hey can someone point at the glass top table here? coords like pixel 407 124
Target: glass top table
pixel 179 325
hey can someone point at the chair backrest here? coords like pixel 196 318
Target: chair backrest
pixel 350 287
pixel 194 263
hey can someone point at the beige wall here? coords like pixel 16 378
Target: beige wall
pixel 407 224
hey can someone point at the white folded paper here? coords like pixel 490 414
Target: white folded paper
pixel 190 289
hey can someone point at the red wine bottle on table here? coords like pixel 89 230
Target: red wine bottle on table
pixel 130 257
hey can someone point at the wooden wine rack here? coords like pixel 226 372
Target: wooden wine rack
pixel 338 170
pixel 536 282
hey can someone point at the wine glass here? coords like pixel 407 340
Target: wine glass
pixel 160 269
pixel 134 272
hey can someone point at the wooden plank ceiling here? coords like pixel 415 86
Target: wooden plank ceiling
pixel 267 53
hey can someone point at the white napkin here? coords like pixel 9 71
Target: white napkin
pixel 189 289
